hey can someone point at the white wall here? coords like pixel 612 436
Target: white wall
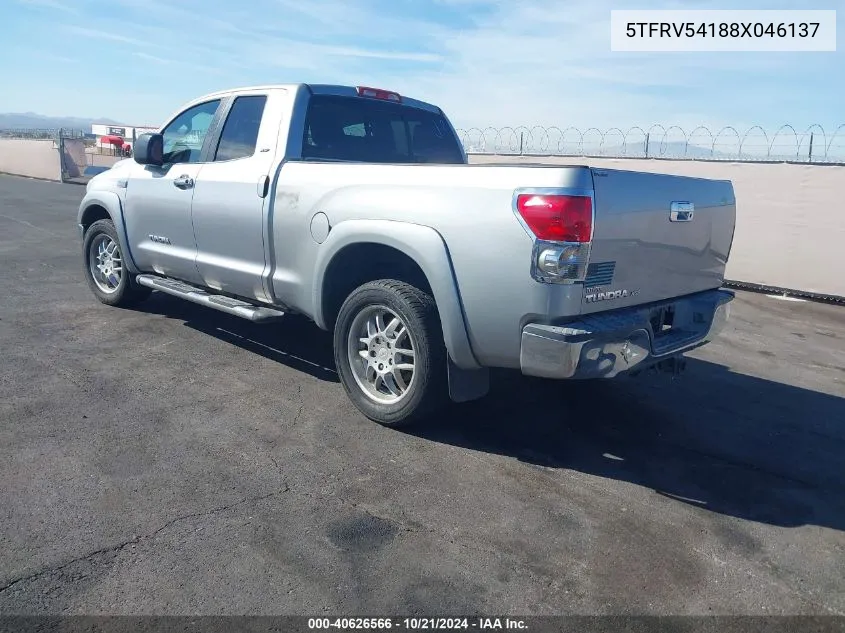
pixel 27 157
pixel 790 230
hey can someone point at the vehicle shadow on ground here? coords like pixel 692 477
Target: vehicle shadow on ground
pixel 296 342
pixel 722 441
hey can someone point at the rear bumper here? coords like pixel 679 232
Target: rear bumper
pixel 604 345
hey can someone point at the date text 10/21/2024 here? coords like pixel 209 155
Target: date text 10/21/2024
pixel 417 624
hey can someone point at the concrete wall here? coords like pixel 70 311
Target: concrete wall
pixel 40 158
pixel 790 230
pixel 25 157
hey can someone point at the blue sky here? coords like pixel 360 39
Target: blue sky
pixel 486 62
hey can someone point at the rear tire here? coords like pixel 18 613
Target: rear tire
pixel 389 352
pixel 105 268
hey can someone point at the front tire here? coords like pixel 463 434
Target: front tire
pixel 389 352
pixel 105 269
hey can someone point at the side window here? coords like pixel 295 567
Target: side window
pixel 184 135
pixel 240 132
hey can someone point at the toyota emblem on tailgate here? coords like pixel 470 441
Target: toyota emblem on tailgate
pixel 681 211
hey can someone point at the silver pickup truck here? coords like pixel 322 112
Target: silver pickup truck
pixel 356 208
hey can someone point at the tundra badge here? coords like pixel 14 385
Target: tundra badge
pixel 591 295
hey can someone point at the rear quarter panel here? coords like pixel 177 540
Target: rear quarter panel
pixel 486 250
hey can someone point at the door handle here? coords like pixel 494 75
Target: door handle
pixel 184 182
pixel 681 211
pixel 263 186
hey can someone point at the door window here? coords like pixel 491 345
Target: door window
pixel 185 135
pixel 240 132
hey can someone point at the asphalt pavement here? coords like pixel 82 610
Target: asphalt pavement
pixel 175 460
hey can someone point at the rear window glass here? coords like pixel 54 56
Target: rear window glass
pixel 372 131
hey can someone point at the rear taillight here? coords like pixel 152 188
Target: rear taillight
pixel 562 226
pixel 557 218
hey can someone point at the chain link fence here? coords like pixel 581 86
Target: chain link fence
pixel 786 144
pixel 40 134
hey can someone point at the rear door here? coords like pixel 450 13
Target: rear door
pixel 656 237
pixel 231 192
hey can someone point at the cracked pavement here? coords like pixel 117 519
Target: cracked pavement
pixel 175 460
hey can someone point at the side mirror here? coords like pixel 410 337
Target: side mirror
pixel 149 149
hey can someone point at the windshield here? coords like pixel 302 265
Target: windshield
pixel 372 131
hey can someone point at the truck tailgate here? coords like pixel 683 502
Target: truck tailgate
pixel 642 252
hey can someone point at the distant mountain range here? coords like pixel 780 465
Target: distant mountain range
pixel 656 149
pixel 30 120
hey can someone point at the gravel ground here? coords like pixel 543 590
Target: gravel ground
pixel 176 460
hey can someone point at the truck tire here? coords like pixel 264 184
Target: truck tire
pixel 389 352
pixel 105 270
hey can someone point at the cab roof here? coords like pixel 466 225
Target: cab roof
pixel 322 89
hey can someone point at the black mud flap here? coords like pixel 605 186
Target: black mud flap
pixel 467 384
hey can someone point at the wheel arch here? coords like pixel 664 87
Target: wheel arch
pixel 392 250
pixel 92 213
pixel 106 205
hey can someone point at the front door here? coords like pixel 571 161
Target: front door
pixel 231 193
pixel 158 199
